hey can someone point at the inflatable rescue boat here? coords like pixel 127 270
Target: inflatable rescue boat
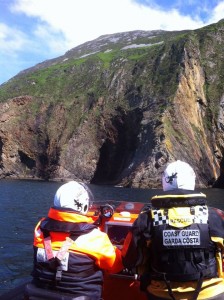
pixel 115 218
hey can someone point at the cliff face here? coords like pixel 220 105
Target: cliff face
pixel 117 113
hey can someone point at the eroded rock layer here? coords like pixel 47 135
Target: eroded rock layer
pixel 117 112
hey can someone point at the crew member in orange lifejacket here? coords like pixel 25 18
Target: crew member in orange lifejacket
pixel 70 251
pixel 177 243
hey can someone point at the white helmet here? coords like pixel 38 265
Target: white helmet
pixel 74 195
pixel 178 175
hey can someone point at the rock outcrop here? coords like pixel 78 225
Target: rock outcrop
pixel 117 112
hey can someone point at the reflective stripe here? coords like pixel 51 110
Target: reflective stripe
pixel 48 248
pixel 64 248
pixel 185 196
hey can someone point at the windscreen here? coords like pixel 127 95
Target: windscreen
pixel 117 234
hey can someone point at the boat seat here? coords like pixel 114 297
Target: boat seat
pixel 32 292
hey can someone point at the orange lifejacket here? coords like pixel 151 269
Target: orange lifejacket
pixel 89 252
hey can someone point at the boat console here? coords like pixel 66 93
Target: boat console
pixel 117 232
pixel 116 218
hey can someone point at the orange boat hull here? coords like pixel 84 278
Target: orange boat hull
pixel 117 288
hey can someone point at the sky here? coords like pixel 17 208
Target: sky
pixel 32 31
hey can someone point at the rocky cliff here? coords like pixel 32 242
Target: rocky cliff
pixel 117 109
